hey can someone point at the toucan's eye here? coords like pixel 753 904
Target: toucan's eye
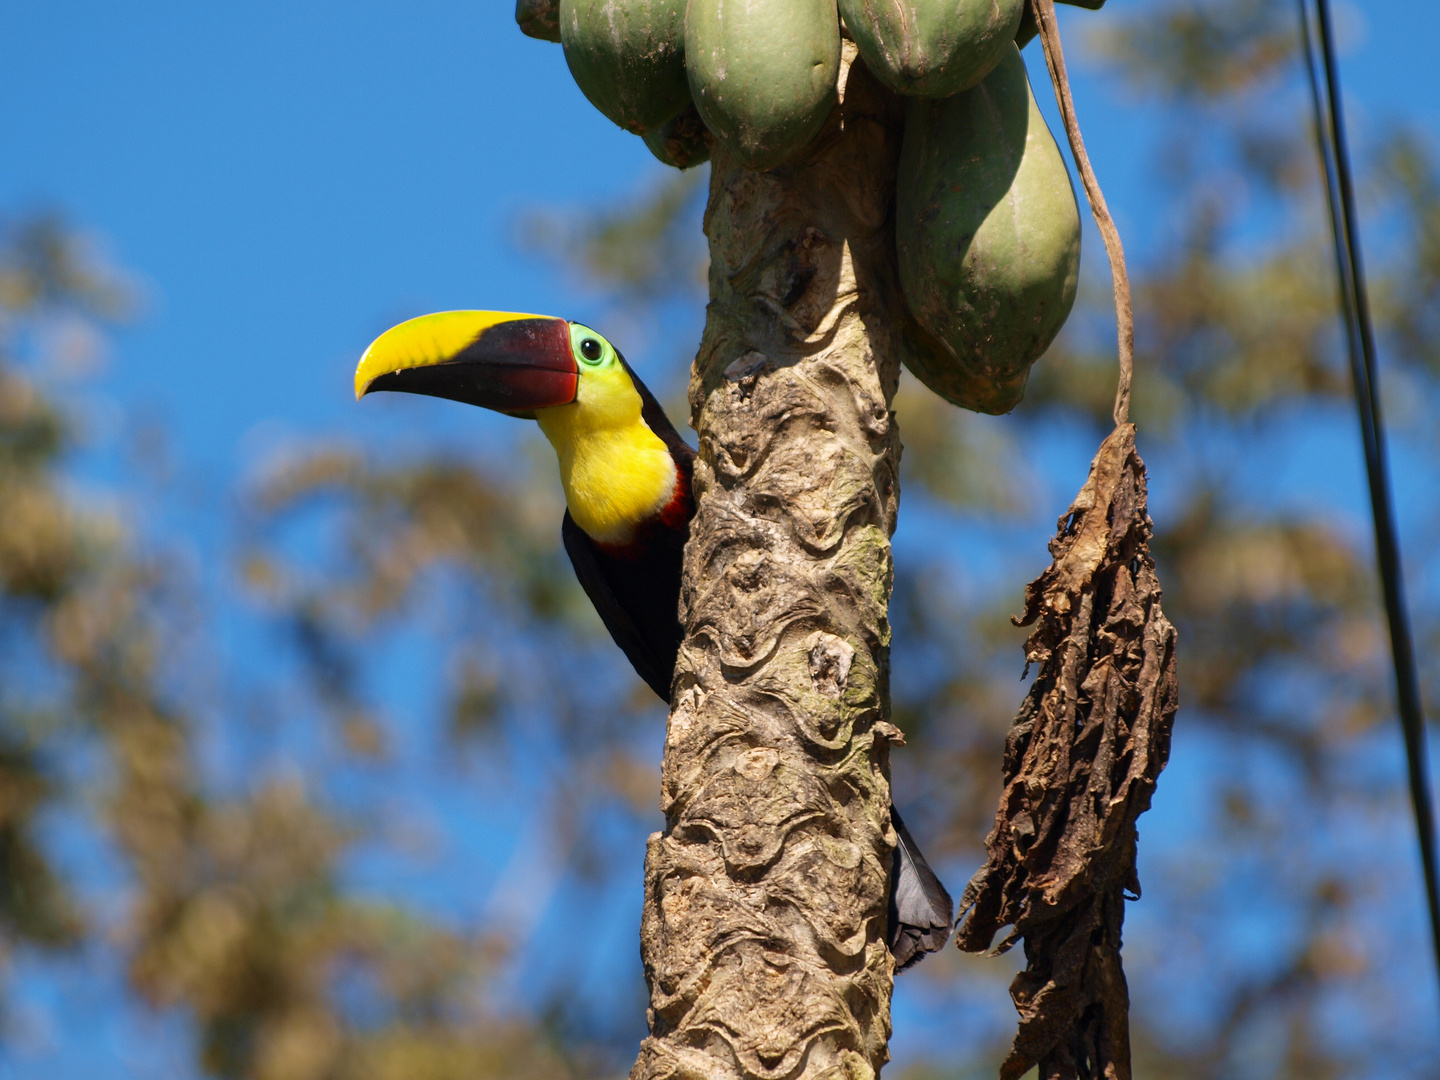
pixel 589 348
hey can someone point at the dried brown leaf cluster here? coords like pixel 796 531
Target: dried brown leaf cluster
pixel 1080 766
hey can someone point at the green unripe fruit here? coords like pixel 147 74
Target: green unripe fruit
pixel 680 143
pixel 627 58
pixel 1029 28
pixel 988 237
pixel 762 72
pixel 932 48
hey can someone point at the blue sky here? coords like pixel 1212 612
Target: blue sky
pixel 289 179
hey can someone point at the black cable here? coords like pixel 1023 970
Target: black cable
pixel 1360 334
pixel 1337 229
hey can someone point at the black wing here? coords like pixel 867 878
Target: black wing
pixel 650 653
pixel 638 597
pixel 921 911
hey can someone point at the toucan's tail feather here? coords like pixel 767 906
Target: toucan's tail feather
pixel 921 911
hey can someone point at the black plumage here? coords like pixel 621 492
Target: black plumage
pixel 636 595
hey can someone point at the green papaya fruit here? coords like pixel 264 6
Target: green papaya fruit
pixel 680 143
pixel 1028 29
pixel 539 18
pixel 988 236
pixel 931 48
pixel 628 58
pixel 762 72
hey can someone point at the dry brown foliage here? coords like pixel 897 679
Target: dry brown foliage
pixel 1080 766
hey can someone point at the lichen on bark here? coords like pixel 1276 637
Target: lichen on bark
pixel 763 933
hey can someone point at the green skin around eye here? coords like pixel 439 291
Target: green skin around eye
pixel 578 335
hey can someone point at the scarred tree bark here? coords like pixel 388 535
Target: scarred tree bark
pixel 764 926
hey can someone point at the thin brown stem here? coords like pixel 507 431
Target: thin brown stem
pixel 1124 313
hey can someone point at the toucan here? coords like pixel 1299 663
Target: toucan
pixel 626 473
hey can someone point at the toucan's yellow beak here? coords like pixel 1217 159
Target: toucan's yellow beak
pixel 500 360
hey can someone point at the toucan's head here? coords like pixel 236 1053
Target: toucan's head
pixel 512 363
pixel 615 468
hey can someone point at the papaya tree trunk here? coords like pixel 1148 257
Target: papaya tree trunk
pixel 763 933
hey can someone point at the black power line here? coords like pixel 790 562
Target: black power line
pixel 1360 334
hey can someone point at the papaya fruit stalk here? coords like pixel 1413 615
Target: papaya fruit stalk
pixel 1088 744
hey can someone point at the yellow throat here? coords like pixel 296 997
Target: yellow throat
pixel 616 471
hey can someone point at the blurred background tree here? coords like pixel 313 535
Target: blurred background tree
pixel 251 848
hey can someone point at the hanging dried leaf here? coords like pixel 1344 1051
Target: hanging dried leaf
pixel 1080 766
